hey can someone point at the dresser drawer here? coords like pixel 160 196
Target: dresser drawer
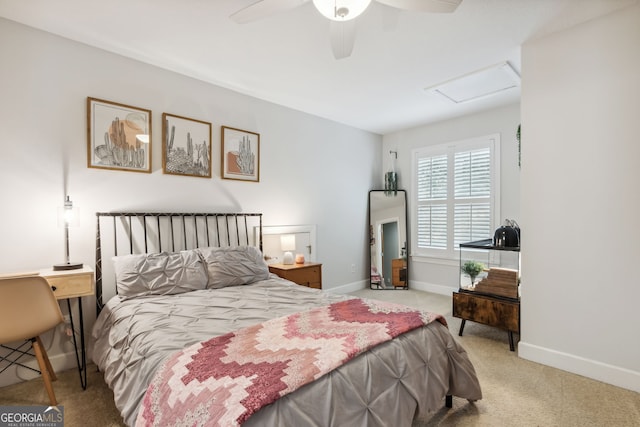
pixel 71 285
pixel 305 275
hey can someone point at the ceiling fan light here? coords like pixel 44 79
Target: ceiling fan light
pixel 341 10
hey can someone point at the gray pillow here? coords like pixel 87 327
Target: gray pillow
pixel 230 266
pixel 163 273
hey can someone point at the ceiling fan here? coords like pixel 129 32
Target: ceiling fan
pixel 341 13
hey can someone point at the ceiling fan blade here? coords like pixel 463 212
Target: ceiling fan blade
pixel 432 6
pixel 343 37
pixel 262 9
pixel 390 19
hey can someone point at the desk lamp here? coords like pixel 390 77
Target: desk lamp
pixel 67 216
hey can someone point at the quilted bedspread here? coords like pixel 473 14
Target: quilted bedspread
pixel 223 381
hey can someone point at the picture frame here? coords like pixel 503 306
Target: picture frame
pixel 118 136
pixel 186 146
pixel 240 154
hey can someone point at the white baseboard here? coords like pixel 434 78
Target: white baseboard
pixel 431 287
pixel 419 286
pixel 614 375
pixel 349 287
pixel 16 374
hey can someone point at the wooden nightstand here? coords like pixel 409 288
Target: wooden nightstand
pixel 67 284
pixel 307 274
pixel 491 310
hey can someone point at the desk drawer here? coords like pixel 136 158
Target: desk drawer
pixel 71 286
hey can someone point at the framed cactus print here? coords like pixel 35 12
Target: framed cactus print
pixel 118 136
pixel 240 154
pixel 186 146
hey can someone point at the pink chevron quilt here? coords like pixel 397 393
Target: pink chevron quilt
pixel 223 381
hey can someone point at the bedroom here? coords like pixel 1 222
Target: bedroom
pixel 44 154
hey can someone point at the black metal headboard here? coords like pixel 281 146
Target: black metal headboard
pixel 121 233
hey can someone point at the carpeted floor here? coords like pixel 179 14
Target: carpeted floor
pixel 516 392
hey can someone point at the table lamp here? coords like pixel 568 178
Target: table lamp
pixel 288 244
pixel 67 217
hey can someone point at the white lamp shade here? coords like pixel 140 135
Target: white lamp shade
pixel 288 242
pixel 341 10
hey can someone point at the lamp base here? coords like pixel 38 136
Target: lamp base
pixel 288 258
pixel 67 266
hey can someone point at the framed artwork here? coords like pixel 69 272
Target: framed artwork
pixel 186 148
pixel 118 136
pixel 240 154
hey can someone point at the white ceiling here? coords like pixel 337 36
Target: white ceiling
pixel 287 59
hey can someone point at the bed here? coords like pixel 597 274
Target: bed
pixel 184 299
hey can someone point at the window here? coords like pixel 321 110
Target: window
pixel 456 193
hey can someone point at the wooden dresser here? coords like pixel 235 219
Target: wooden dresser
pixel 399 273
pixel 307 274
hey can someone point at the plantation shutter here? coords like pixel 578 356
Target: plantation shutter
pixel 455 195
pixel 432 193
pixel 472 193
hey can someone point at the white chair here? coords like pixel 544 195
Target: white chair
pixel 28 308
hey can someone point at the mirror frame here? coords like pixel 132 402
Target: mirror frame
pixel 373 237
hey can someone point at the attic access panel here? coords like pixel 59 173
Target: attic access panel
pixel 478 84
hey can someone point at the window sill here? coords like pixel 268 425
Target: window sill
pixel 435 260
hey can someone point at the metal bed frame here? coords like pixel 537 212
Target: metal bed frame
pixel 153 232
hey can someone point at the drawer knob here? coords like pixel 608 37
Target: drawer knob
pixel 53 288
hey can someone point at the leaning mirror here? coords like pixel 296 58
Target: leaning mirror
pixel 388 241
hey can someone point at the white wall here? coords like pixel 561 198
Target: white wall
pixel 312 171
pixel 438 275
pixel 580 199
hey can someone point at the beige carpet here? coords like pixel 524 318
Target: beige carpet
pixel 516 392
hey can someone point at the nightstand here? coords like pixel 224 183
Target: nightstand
pixel 494 300
pixel 67 284
pixel 492 310
pixel 307 274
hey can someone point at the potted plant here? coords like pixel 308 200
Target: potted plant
pixel 472 269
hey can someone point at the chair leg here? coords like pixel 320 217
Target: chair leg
pixel 52 373
pixel 45 368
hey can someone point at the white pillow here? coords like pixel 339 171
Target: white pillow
pixel 163 273
pixel 230 266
